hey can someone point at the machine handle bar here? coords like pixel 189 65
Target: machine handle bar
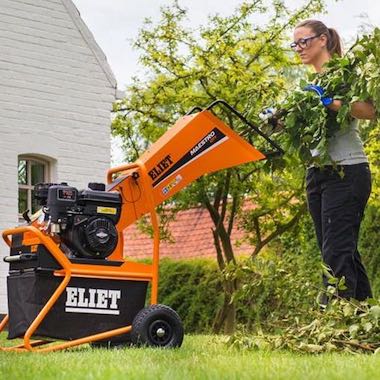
pixel 278 150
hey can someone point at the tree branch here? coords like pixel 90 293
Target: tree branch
pixel 279 230
pixel 219 253
pixel 234 207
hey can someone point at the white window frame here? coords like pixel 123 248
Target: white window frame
pixel 28 186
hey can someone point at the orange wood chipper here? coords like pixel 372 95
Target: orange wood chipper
pixel 68 278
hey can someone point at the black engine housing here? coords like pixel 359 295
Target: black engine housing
pixel 87 219
pixel 94 237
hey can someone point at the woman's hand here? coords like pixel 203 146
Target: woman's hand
pixel 320 91
pixel 272 119
pixel 359 110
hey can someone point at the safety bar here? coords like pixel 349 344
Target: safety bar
pixel 51 246
pixel 120 168
pixel 278 150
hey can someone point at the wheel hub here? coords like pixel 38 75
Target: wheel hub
pixel 160 332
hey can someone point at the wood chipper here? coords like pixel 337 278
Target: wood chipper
pixel 68 277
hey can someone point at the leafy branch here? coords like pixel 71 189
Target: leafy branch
pixel 351 78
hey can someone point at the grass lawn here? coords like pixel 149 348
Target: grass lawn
pixel 200 357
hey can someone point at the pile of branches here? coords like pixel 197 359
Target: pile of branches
pixel 343 326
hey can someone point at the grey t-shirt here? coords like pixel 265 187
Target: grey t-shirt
pixel 346 147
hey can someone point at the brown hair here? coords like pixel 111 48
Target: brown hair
pixel 334 45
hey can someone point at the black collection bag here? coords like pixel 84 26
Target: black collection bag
pixel 87 306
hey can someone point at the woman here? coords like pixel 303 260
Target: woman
pixel 336 203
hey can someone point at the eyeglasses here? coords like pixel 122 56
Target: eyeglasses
pixel 303 42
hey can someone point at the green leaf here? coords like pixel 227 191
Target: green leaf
pixel 353 330
pixel 367 326
pixel 347 310
pixel 375 311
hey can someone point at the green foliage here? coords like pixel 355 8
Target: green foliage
pixel 192 288
pixel 288 313
pixel 282 283
pixel 369 231
pixel 281 293
pixel 353 77
pixel 343 326
pixel 274 289
pixel 229 58
pixel 370 243
pixel 279 204
pixel 269 289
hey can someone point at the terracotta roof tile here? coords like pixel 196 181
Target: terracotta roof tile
pixel 192 237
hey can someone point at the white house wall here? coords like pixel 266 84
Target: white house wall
pixel 56 94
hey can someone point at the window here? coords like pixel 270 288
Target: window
pixel 30 172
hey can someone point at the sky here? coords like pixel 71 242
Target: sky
pixel 115 23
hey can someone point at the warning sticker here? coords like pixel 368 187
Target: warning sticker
pixel 106 210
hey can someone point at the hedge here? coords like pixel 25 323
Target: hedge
pixel 192 288
pixel 282 283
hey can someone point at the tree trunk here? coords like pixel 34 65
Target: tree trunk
pixel 230 319
pixel 225 320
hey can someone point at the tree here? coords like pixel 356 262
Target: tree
pixel 235 59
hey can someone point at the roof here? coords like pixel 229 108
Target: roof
pixel 192 238
pixel 90 40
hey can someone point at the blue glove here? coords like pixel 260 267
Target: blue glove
pixel 272 120
pixel 267 114
pixel 326 100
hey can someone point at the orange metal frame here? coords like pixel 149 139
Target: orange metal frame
pixel 198 143
pixel 127 271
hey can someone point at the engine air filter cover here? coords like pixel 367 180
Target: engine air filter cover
pixel 101 235
pixel 94 237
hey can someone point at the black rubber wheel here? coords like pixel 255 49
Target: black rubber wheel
pixel 157 326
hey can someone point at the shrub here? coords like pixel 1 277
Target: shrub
pixel 369 245
pixel 280 285
pixel 272 288
pixel 192 288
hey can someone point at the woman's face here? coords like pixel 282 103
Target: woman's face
pixel 309 45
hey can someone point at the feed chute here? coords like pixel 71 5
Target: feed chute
pixel 197 144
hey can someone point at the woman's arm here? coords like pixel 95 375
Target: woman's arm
pixel 359 110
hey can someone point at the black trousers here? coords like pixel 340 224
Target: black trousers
pixel 336 199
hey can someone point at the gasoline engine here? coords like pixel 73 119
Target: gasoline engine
pixel 85 221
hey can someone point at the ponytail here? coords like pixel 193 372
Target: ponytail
pixel 334 45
